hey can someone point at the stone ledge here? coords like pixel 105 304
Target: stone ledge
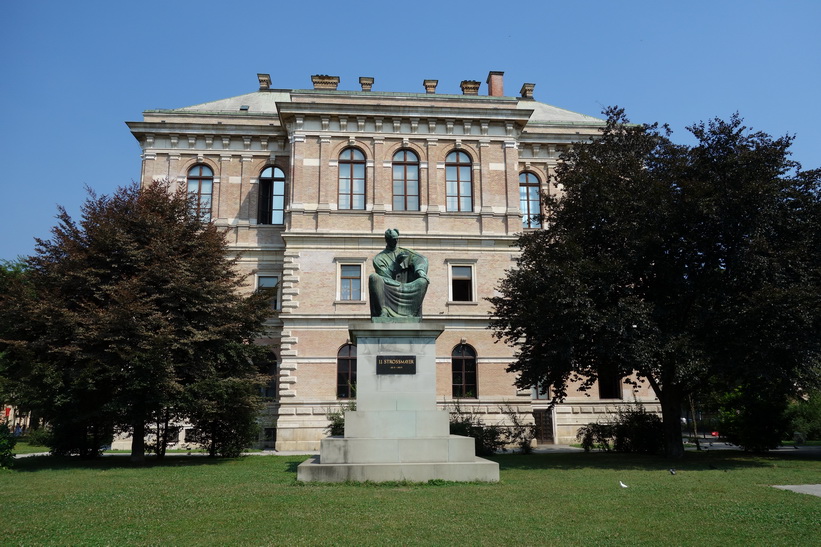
pixel 479 470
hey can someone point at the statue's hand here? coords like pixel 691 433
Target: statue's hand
pixel 401 257
pixel 423 275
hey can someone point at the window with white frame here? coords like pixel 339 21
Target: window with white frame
pixel 462 281
pixel 270 283
pixel 271 196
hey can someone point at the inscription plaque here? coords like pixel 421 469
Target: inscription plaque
pixel 396 364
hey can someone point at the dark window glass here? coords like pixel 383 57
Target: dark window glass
pixel 463 366
pixel 609 383
pixel 270 282
pixel 350 282
pixel 346 372
pixel 271 196
pixel 530 200
pixel 351 179
pixel 405 181
pixel 269 367
pixel 458 182
pixel 461 278
pixel 201 188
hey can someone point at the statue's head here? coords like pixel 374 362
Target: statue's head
pixel 391 234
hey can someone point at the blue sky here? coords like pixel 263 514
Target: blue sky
pixel 71 73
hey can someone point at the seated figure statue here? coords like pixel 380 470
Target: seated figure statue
pixel 400 282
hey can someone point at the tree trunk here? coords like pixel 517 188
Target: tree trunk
pixel 138 443
pixel 671 403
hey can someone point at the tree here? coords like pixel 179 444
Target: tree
pixel 678 263
pixel 135 304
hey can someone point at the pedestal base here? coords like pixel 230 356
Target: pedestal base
pixel 397 433
pixel 479 470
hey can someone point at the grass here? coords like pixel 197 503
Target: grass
pixel 22 447
pixel 715 498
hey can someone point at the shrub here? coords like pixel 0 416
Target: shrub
pixel 518 432
pixel 804 415
pixel 7 442
pixel 336 417
pixel 489 438
pixel 630 429
pixel 38 437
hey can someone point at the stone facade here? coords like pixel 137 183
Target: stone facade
pixel 338 149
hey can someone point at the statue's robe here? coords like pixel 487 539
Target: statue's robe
pixel 397 289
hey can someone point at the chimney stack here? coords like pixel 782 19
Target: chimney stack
pixel 470 87
pixel 264 81
pixel 366 83
pixel 323 81
pixel 495 84
pixel 527 91
pixel 430 85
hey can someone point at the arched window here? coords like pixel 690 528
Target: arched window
pixel 201 187
pixel 459 182
pixel 271 196
pixel 463 365
pixel 405 181
pixel 351 179
pixel 529 200
pixel 346 372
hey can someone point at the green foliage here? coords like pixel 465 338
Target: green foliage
pixel 336 418
pixel 38 437
pixel 120 315
pixel 630 429
pixel 518 432
pixel 7 443
pixel 804 416
pixel 490 439
pixel 681 263
pixel 752 419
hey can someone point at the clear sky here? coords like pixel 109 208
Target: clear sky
pixel 71 73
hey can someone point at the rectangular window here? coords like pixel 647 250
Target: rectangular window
pixel 461 283
pixel 350 282
pixel 609 383
pixel 270 283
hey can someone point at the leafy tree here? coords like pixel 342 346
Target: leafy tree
pixel 682 264
pixel 135 305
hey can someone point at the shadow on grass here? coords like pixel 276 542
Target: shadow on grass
pixel 112 461
pixel 724 460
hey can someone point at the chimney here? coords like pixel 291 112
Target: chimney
pixel 323 81
pixel 264 81
pixel 366 83
pixel 527 91
pixel 470 87
pixel 495 84
pixel 430 85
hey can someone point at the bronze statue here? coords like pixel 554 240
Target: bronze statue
pixel 398 287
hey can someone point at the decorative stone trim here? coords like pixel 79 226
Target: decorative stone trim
pixel 323 81
pixel 470 87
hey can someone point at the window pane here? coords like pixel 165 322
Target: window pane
pixel 398 203
pixel 344 186
pixel 464 173
pixel 413 203
pixel 465 188
pixel 452 204
pixel 356 289
pixel 359 170
pixel 462 272
pixel 398 187
pixel 358 202
pixel 465 205
pixel 451 187
pixel 344 201
pixel 398 172
pixel 358 186
pixel 277 217
pixel 268 172
pixel 413 172
pixel 279 187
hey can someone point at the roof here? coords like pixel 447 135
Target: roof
pixel 265 103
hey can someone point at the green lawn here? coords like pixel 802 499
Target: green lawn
pixel 715 498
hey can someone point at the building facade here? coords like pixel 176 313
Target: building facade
pixel 306 181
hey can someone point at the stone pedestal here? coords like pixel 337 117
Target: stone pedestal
pixel 396 432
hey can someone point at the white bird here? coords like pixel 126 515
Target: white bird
pixel 622 484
